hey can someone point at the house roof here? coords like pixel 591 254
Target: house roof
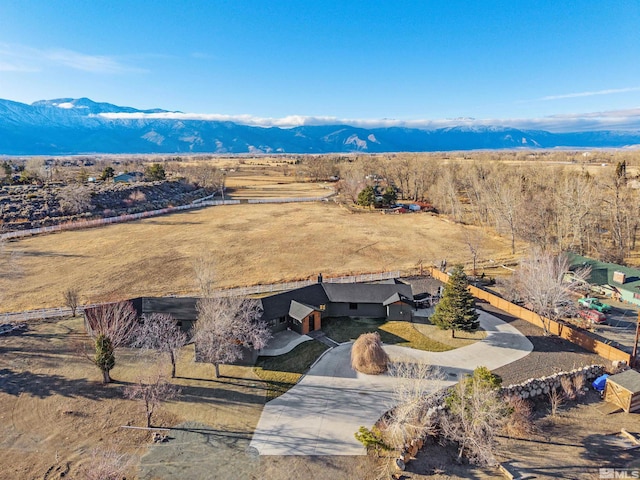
pixel 182 308
pixel 278 305
pixel 629 379
pixel 396 297
pixel 602 272
pixel 313 296
pixel 299 311
pixel 364 292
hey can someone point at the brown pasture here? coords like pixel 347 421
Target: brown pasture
pixel 251 244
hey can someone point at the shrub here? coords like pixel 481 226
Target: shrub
pixel 368 356
pixel 371 439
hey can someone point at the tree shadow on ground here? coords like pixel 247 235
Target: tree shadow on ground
pixel 42 386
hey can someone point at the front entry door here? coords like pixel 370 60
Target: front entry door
pixel 311 322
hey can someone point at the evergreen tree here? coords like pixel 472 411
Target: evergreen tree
pixel 367 197
pixel 456 310
pixel 389 196
pixel 104 358
pixel 107 173
pixel 155 172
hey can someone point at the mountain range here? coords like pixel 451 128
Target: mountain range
pixel 68 126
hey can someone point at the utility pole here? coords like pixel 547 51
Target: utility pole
pixel 634 353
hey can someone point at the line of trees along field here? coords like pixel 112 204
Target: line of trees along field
pixel 555 201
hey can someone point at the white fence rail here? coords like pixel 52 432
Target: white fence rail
pixel 97 222
pixel 57 312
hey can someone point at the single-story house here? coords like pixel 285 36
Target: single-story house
pixel 303 309
pixel 617 281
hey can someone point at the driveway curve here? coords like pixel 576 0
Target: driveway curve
pixel 320 414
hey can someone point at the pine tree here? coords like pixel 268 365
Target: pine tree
pixel 456 310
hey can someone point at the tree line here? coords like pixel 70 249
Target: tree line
pixel 558 201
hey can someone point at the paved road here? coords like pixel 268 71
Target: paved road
pixel 322 412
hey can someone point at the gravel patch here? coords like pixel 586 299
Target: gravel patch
pixel 550 354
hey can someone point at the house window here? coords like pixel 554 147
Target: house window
pixel 282 320
pixel 353 306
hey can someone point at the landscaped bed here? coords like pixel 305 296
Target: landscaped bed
pixel 344 329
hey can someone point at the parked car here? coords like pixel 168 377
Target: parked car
pixel 593 316
pixel 594 304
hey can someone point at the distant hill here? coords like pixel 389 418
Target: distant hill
pixel 72 126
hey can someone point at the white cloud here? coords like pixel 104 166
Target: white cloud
pixel 87 63
pixel 590 94
pixel 614 120
pixel 21 58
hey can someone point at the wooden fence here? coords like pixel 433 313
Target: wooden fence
pixel 583 339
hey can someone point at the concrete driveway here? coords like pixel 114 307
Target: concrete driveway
pixel 320 415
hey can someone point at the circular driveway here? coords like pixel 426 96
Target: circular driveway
pixel 320 414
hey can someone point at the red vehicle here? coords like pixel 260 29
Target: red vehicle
pixel 592 316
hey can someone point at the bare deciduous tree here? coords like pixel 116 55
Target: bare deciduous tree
pixel 71 299
pixel 541 281
pixel 151 392
pixel 474 239
pixel 160 331
pixel 205 274
pixel 225 326
pixel 111 325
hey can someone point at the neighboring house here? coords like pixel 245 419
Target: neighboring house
pixel 617 281
pixel 129 177
pixel 303 309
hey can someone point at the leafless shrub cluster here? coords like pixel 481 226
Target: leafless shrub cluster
pixel 520 421
pixel 105 464
pixel 413 416
pixel 556 399
pixel 74 199
pixel 568 388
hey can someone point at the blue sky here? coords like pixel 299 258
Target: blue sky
pixel 540 63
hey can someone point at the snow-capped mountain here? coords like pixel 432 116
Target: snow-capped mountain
pixel 72 126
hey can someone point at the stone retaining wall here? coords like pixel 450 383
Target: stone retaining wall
pixel 542 386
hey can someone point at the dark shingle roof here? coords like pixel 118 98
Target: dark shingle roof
pixel 276 306
pixel 182 308
pixel 364 292
pixel 279 305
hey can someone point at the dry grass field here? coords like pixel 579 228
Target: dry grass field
pixel 250 244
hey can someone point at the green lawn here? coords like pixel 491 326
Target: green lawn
pixel 284 371
pixel 344 329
